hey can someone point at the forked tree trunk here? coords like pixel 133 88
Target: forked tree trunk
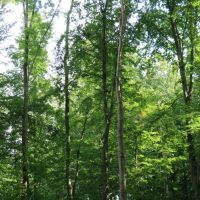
pixel 120 129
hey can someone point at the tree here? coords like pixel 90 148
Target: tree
pixel 187 83
pixel 120 129
pixel 30 16
pixel 67 105
pixel 25 173
pixel 108 108
pixel 179 38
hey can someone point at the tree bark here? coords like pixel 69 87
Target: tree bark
pixel 120 129
pixel 67 107
pixel 25 178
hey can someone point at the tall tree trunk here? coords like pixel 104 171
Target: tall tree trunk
pixel 67 107
pixel 187 87
pixel 107 107
pixel 107 121
pixel 25 178
pixel 120 129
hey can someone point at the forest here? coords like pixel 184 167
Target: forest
pixel 105 106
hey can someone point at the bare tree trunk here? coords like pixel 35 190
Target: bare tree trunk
pixel 25 178
pixel 187 87
pixel 120 129
pixel 67 106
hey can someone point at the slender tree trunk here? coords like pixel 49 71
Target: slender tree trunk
pixel 25 178
pixel 120 129
pixel 67 107
pixel 187 87
pixel 78 153
pixel 107 121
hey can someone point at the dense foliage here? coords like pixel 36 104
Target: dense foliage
pixel 67 148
